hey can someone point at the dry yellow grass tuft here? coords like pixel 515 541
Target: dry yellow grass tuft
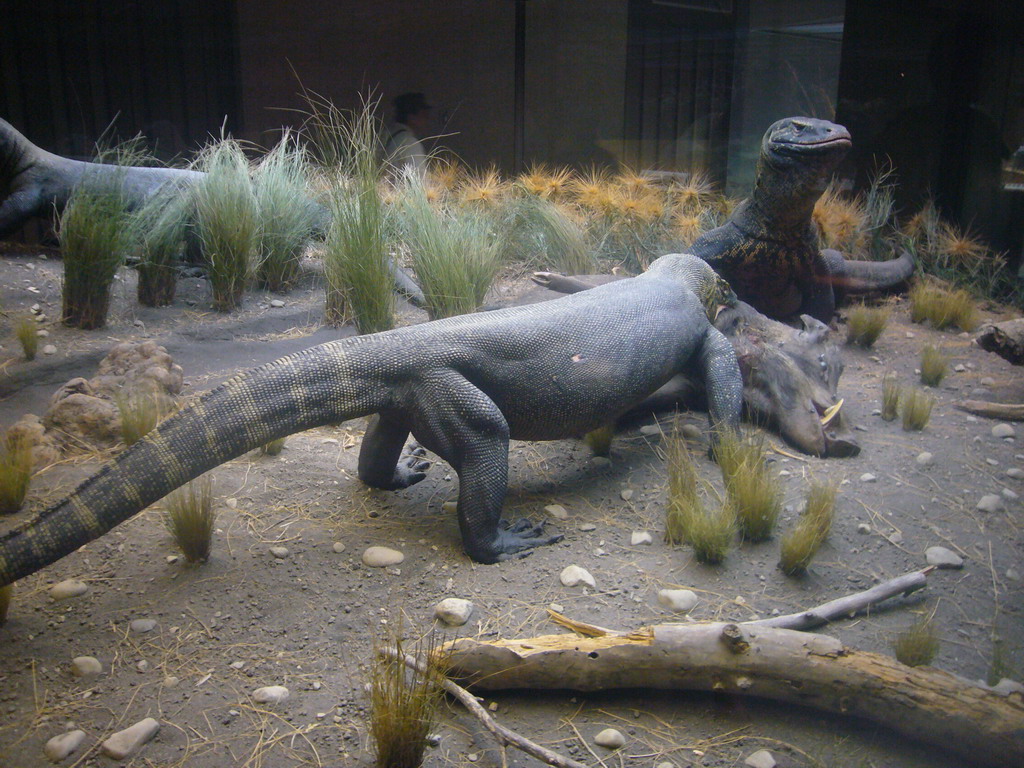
pixel 486 188
pixel 801 544
pixel 917 410
pixel 190 518
pixel 933 366
pixel 15 472
pixel 25 330
pixel 942 307
pixel 753 493
pixel 865 324
pixel 918 645
pixel 892 391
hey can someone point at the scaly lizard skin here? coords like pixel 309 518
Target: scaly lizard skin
pixel 768 248
pixel 463 387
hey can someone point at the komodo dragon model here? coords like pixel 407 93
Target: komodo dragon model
pixel 768 247
pixel 462 386
pixel 34 182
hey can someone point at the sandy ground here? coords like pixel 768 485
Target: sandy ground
pixel 247 619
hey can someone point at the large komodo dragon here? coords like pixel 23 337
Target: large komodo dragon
pixel 462 386
pixel 768 248
pixel 35 183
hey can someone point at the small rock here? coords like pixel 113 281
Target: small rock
pixel 130 740
pixel 556 607
pixel 42 333
pixel 85 666
pixel 379 557
pixel 59 747
pixel 35 309
pixel 863 528
pixel 270 694
pixel 626 494
pixel 1006 686
pixel 276 303
pixel 690 432
pixel 785 473
pixel 586 527
pixel 760 759
pixel 610 738
pixel 987 381
pixel 867 477
pixel 1013 574
pixel 68 588
pixel 677 600
pixel 453 611
pixel 943 558
pixel 959 368
pixel 142 666
pixel 925 459
pixel 600 462
pixel 338 547
pixel 1015 472
pixel 896 537
pixel 650 430
pixel 990 503
pixel 142 625
pixel 231 503
pixel 172 559
pixel 280 552
pixel 1002 431
pixel 665 764
pixel 170 681
pixel 49 349
pixel 237 664
pixel 557 511
pixel 573 574
pixel 640 538
pixel 1008 494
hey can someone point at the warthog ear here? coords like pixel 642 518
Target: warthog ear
pixel 814 332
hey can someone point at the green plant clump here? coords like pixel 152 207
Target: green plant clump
pixel 934 365
pixel 15 472
pixel 25 330
pixel 158 229
pixel 918 645
pixel 892 391
pixel 917 410
pixel 190 518
pixel 139 412
pixel 801 544
pixel 227 222
pixel 753 492
pixel 865 324
pixel 93 233
pixel 287 214
pixel 600 440
pixel 709 532
pixel 943 307
pixel 274 447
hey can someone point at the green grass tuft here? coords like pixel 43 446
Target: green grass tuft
pixel 917 410
pixel 892 391
pixel 274 447
pixel 865 324
pixel 918 645
pixel 190 518
pixel 25 330
pixel 15 472
pixel 158 229
pixel 800 545
pixel 542 234
pixel 934 366
pixel 140 412
pixel 227 221
pixel 600 440
pixel 6 593
pixel 942 307
pixel 753 492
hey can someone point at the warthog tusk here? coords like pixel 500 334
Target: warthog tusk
pixel 830 413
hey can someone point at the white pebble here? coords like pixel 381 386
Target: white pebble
pixel 626 494
pixel 867 477
pixel 990 503
pixel 690 432
pixel 650 430
pixel 49 349
pixel 338 547
pixel 130 740
pixel 760 759
pixel 276 303
pixel 585 527
pixel 84 666
pixel 640 537
pixel 678 600
pixel 231 503
pixel 1009 495
pixel 1002 431
pixel 863 528
pixel 142 625
pixel 453 611
pixel 557 511
pixel 959 368
pixel 68 588
pixel 379 557
pixel 943 558
pixel 610 738
pixel 271 694
pixel 59 747
pixel 925 459
pixel 1015 472
pixel 573 574
pixel 280 552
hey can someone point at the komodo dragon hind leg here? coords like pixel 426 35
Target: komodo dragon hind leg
pixel 463 426
pixel 381 464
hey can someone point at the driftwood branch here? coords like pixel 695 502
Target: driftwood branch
pixel 504 736
pixel 1007 411
pixel 781 664
pixel 1006 339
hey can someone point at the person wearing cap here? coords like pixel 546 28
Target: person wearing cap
pixel 412 117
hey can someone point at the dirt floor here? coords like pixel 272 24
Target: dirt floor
pixel 308 621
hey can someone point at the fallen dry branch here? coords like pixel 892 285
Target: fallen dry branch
pixel 781 664
pixel 504 736
pixel 1006 339
pixel 1007 411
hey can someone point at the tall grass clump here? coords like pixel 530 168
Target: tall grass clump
pixel 600 440
pixel 140 412
pixel 404 704
pixel 453 251
pixel 934 365
pixel 227 221
pixel 273 448
pixel 15 472
pixel 356 258
pixel 942 307
pixel 917 645
pixel 892 391
pixel 752 491
pixel 800 545
pixel 6 593
pixel 190 518
pixel 93 233
pixel 25 330
pixel 159 228
pixel 917 410
pixel 709 532
pixel 286 212
pixel 865 324
pixel 541 233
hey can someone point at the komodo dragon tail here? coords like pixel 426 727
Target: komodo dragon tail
pixel 326 384
pixel 856 276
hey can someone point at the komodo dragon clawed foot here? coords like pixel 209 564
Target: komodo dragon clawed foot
pixel 519 538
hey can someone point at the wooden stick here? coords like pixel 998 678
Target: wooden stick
pixel 1008 411
pixel 504 736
